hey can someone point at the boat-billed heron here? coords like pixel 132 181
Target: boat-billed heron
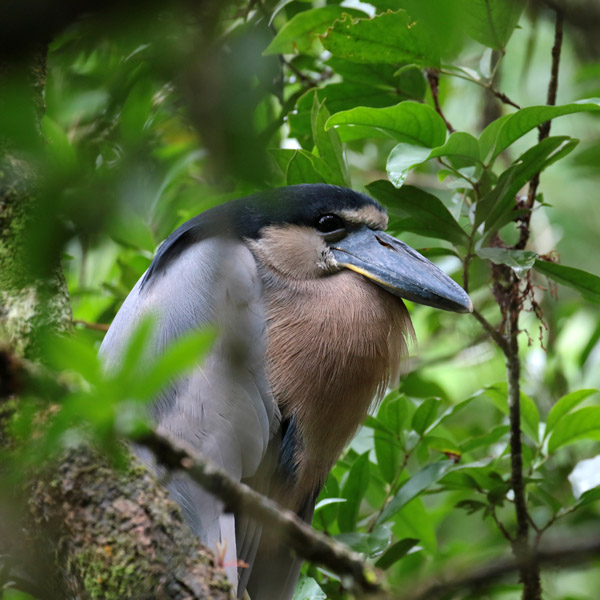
pixel 305 289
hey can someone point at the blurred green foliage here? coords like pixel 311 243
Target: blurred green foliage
pixel 153 121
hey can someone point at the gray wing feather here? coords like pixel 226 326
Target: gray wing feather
pixel 224 408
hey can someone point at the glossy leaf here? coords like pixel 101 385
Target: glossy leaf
pixel 388 453
pixel 300 166
pixel 520 261
pixel 486 440
pixel 500 202
pixel 529 412
pixel 585 283
pixel 328 144
pixel 371 544
pixel 589 497
pixel 353 491
pixel 392 37
pixel 500 134
pixel 583 424
pixel 402 158
pixel 395 552
pixel 460 144
pixel 565 405
pixel 183 354
pixel 407 83
pixel 419 482
pixel 406 122
pixel 491 22
pixel 425 415
pixel 431 216
pixel 308 589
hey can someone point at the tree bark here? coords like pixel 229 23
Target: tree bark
pixel 77 527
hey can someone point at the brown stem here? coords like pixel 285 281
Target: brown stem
pixel 94 326
pixel 433 77
pixel 544 129
pixel 497 337
pixel 503 97
pixel 561 555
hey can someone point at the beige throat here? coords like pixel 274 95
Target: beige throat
pixel 335 344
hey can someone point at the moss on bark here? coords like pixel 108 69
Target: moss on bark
pixel 117 534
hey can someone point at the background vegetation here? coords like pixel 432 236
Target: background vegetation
pixel 489 447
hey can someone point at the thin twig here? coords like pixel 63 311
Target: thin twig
pixel 94 326
pixel 544 129
pixel 561 555
pixel 433 77
pixel 239 498
pixel 488 86
pixel 500 525
pixel 497 337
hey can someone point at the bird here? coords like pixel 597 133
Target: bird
pixel 305 290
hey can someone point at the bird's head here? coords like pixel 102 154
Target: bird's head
pixel 313 231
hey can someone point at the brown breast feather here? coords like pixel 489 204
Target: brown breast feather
pixel 335 344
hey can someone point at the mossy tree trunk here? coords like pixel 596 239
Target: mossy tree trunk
pixel 75 528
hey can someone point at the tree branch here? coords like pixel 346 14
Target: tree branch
pixel 294 533
pixel 544 130
pixel 562 555
pixel 433 77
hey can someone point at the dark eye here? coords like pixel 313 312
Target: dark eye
pixel 329 223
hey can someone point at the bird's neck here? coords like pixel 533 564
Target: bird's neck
pixel 334 344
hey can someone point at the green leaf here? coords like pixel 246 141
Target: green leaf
pixel 132 231
pixel 308 589
pixel 136 348
pixel 327 502
pixel 354 491
pixel 301 166
pixel 565 405
pixel 387 452
pixel 72 353
pixel 425 415
pixel 414 521
pixel 588 497
pixel 328 511
pixel 136 110
pixel 491 22
pixel 520 261
pixel 370 544
pixel 402 158
pixel 530 416
pixel 407 84
pixel 500 202
pixel 500 134
pixel 431 217
pixel 395 552
pixel 302 30
pixel 328 144
pixel 61 152
pixel 443 445
pixel 460 145
pixel 395 413
pixel 406 122
pixel 339 97
pixel 183 354
pixel 418 483
pixel 486 440
pixel 392 37
pixel 583 424
pixel 585 283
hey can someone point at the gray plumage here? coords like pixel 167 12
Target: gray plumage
pixel 306 340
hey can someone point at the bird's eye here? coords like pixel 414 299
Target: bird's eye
pixel 329 223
